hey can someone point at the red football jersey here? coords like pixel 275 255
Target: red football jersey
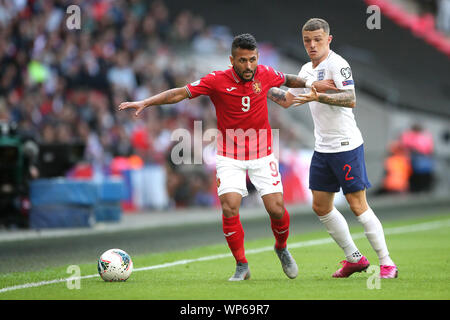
pixel 244 131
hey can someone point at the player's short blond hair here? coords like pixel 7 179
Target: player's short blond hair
pixel 314 24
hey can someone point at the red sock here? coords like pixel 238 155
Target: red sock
pixel 280 228
pixel 234 234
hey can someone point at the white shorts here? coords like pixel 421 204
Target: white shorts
pixel 263 173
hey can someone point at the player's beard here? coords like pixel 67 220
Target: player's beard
pixel 241 74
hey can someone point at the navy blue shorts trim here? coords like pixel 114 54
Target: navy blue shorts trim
pixel 331 171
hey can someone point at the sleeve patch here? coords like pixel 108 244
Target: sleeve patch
pixel 347 82
pixel 346 72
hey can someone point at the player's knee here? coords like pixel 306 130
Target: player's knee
pixel 276 209
pixel 358 207
pixel 230 210
pixel 357 202
pixel 321 209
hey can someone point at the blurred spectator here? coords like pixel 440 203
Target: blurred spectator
pixel 397 170
pixel 420 145
pixel 121 74
pixel 443 16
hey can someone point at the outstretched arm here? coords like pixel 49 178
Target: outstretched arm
pixel 342 98
pixel 166 97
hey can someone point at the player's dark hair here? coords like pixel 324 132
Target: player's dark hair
pixel 314 24
pixel 244 41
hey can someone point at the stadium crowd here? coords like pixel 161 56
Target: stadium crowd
pixel 63 86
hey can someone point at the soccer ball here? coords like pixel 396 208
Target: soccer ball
pixel 115 265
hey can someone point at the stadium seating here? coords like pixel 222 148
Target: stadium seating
pixel 422 26
pixel 69 203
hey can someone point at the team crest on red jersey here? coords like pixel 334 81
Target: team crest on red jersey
pixel 257 88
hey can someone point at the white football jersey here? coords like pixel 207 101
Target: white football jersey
pixel 335 128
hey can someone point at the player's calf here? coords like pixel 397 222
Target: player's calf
pixel 280 229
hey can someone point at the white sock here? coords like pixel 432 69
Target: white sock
pixel 374 233
pixel 338 229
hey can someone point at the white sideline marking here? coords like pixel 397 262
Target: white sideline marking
pixel 395 230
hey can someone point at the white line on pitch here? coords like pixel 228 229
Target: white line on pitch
pixel 395 230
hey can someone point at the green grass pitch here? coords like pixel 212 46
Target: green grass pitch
pixel 420 247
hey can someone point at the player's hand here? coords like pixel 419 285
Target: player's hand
pixel 304 98
pixel 325 85
pixel 138 105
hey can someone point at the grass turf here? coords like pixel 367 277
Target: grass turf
pixel 423 259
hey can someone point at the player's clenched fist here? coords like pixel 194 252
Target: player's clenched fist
pixel 138 105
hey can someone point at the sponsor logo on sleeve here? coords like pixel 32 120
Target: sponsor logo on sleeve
pixel 347 82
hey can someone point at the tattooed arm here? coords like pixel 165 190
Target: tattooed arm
pixel 285 98
pixel 281 97
pixel 298 82
pixel 341 98
pixel 166 97
pixel 293 81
